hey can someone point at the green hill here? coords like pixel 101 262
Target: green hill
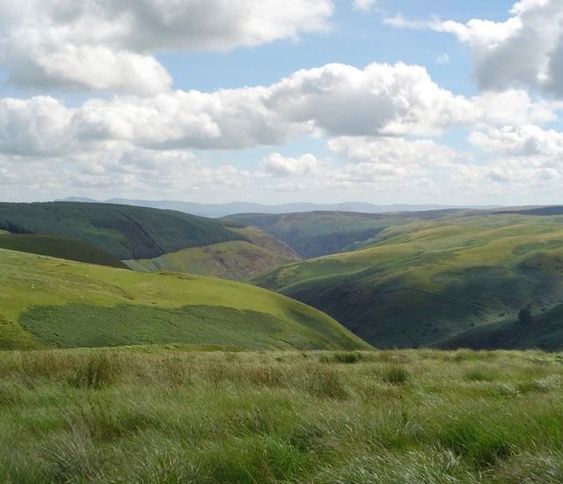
pixel 58 247
pixel 237 260
pixel 125 232
pixel 313 234
pixel 544 331
pixel 427 280
pixel 55 303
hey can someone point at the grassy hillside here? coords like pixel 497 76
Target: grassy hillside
pixel 58 247
pixel 155 415
pixel 237 260
pixel 47 301
pixel 426 281
pixel 266 241
pixel 543 331
pixel 125 232
pixel 315 234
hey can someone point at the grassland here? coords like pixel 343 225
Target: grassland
pixel 59 248
pixel 237 260
pixel 314 234
pixel 427 280
pixel 51 302
pixel 169 415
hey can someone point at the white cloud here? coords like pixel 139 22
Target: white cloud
pixel 364 5
pixel 526 50
pixel 109 44
pixel 393 151
pixel 281 166
pixel 526 140
pixel 380 99
pixel 336 100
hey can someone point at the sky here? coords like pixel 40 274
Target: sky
pixel 383 101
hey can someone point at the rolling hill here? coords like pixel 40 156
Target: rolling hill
pixel 544 331
pixel 426 281
pixel 233 208
pixel 58 247
pixel 48 302
pixel 313 234
pixel 239 260
pixel 123 231
pixel 146 239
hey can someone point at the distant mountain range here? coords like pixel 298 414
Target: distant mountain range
pixel 225 209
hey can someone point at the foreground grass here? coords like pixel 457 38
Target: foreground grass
pixel 171 415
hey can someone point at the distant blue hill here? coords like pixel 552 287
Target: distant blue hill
pixel 224 209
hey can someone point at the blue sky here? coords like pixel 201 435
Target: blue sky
pixel 302 100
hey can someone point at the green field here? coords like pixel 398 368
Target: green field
pixel 427 280
pixel 51 302
pixel 157 415
pixel 59 248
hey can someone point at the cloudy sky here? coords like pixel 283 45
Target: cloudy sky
pixel 386 101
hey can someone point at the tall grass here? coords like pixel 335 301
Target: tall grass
pixel 158 415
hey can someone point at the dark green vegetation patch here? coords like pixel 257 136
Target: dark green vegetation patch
pixel 124 231
pixel 60 248
pixel 542 330
pixel 81 325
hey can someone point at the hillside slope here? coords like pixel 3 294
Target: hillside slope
pixel 237 260
pixel 315 234
pixel 426 281
pixel 58 247
pixel 125 232
pixel 51 302
pixel 544 331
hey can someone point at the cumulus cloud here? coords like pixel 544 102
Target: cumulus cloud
pixel 393 151
pixel 526 50
pixel 527 140
pixel 110 44
pixel 335 100
pixel 282 166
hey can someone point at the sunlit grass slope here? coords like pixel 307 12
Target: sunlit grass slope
pixel 168 416
pixel 425 281
pixel 47 301
pixel 237 260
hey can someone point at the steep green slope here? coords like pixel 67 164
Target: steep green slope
pixel 428 280
pixel 315 234
pixel 237 260
pixel 543 331
pixel 47 301
pixel 125 232
pixel 60 248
